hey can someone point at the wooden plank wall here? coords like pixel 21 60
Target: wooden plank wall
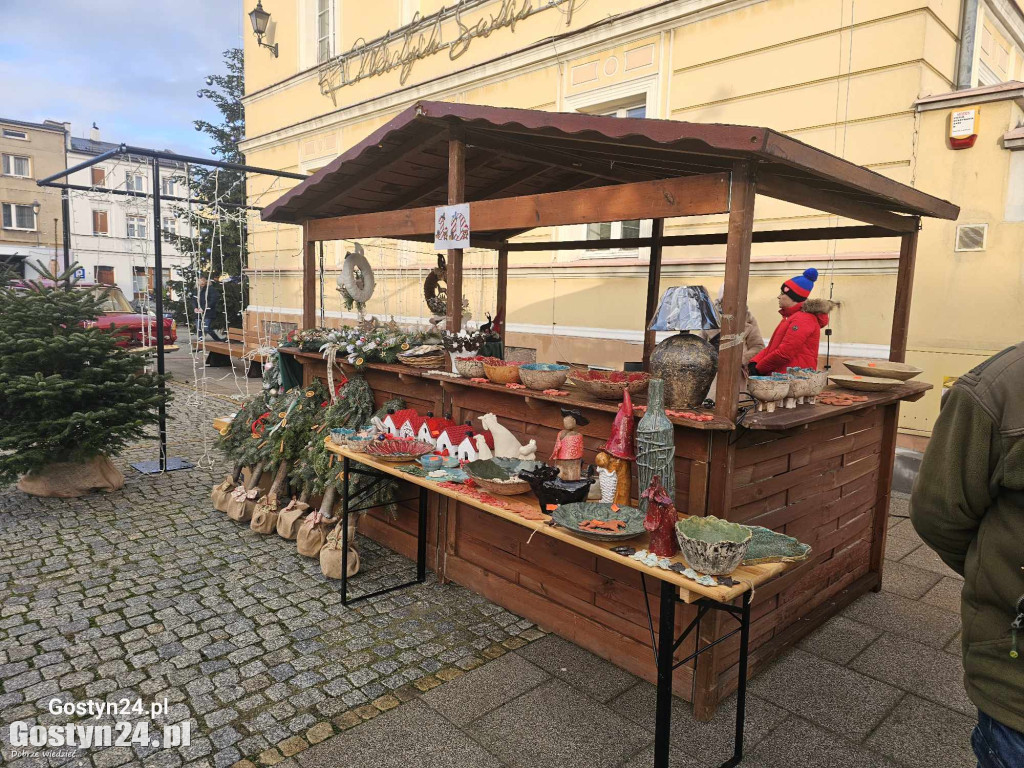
pixel 818 483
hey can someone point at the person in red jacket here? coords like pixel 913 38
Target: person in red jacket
pixel 795 341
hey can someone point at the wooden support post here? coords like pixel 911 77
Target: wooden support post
pixel 456 194
pixel 501 303
pixel 734 299
pixel 653 288
pixel 904 292
pixel 308 279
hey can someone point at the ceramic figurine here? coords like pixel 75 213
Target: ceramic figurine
pixel 505 444
pixel 407 421
pixel 483 451
pixel 451 438
pixel 655 443
pixel 567 454
pixel 615 461
pixel 390 428
pixel 661 519
pixel 552 491
pixel 466 450
pixel 432 427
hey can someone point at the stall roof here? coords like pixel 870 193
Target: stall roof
pixel 404 164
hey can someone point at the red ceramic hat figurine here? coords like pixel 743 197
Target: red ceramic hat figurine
pixel 661 519
pixel 620 441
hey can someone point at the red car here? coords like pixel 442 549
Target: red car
pixel 133 329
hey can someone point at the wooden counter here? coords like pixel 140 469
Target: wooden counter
pixel 814 472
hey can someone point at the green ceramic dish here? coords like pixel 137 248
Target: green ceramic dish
pixel 712 546
pixel 767 546
pixel 498 469
pixel 569 516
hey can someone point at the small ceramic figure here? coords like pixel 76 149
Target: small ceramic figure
pixel 567 454
pixel 661 519
pixel 506 446
pixel 390 428
pixel 615 462
pixel 483 451
pixel 466 450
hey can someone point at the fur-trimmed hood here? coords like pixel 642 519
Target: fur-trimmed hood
pixel 819 306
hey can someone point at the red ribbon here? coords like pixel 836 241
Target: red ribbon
pixel 259 424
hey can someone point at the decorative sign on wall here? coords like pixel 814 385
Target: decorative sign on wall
pixel 451 227
pixel 424 37
pixel 80 273
pixel 963 127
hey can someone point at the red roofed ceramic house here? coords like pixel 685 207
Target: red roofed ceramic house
pixel 451 438
pixel 389 423
pixel 406 422
pixel 432 427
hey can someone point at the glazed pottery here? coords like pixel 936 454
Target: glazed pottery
pixel 500 476
pixel 865 383
pixel 655 443
pixel 550 490
pixel 660 519
pixel 800 388
pixel 712 546
pixel 768 392
pixel 398 450
pixel 609 385
pixel 431 461
pixel 570 516
pixel 505 443
pixel 767 546
pixel 541 376
pixel 469 367
pixel 340 436
pixel 687 364
pixel 885 369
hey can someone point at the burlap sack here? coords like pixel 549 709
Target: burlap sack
pixel 313 535
pixel 222 494
pixel 242 504
pixel 290 518
pixel 330 555
pixel 67 480
pixel 264 516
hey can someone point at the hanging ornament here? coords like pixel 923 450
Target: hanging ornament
pixel 356 281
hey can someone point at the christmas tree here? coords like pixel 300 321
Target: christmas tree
pixel 68 393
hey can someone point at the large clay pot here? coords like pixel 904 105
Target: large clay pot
pixel 687 364
pixel 66 480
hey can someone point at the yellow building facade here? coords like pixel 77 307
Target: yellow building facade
pixel 847 76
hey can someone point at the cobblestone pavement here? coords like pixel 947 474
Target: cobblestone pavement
pixel 149 594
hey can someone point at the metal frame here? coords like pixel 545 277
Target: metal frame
pixel 665 645
pixel 346 510
pixel 163 464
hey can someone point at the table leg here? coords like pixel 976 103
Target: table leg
pixel 666 646
pixel 344 529
pixel 741 687
pixel 421 539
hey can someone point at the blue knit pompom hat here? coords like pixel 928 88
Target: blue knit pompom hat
pixel 799 288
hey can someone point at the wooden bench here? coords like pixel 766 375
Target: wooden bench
pixel 219 353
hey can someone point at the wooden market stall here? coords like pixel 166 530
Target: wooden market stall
pixel 819 473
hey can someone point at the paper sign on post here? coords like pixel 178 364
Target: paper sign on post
pixel 451 227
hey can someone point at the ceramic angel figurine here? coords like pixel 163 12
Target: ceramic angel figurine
pixel 567 454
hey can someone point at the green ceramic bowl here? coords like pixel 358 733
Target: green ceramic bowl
pixel 712 546
pixel 569 516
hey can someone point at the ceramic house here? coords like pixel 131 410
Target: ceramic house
pixel 413 426
pixel 432 427
pixel 403 422
pixel 389 423
pixel 467 450
pixel 451 439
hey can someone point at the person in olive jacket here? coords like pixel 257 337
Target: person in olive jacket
pixel 968 505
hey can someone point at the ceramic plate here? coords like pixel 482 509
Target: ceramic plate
pixel 884 368
pixel 450 475
pixel 569 516
pixel 398 450
pixel 767 546
pixel 865 383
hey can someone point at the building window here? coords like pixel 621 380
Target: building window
pixel 19 217
pixel 99 223
pixel 99 176
pixel 135 182
pixel 104 275
pixel 17 165
pixel 137 227
pixel 167 187
pixel 616 230
pixel 324 30
pixel 10 133
pixel 971 237
pixel 169 225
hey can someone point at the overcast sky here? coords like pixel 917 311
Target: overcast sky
pixel 131 66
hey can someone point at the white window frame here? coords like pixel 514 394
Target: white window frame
pixel 132 227
pixel 332 16
pixel 13 133
pixel 130 181
pixel 167 186
pixel 14 218
pixel 618 98
pixel 8 165
pixel 173 229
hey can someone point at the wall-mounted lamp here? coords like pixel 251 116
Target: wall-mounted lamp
pixel 260 19
pixel 36 205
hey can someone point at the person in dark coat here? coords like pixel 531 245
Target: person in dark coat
pixel 206 306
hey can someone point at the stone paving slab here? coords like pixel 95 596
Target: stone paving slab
pixel 921 734
pixel 601 679
pixel 469 697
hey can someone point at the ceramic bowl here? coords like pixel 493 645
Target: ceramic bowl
pixel 712 546
pixel 341 436
pixel 500 475
pixel 865 383
pixel 885 369
pixel 398 449
pixel 767 389
pixel 800 386
pixel 609 385
pixel 541 376
pixel 501 371
pixel 450 462
pixel 470 367
pixel 432 461
pixel 358 443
